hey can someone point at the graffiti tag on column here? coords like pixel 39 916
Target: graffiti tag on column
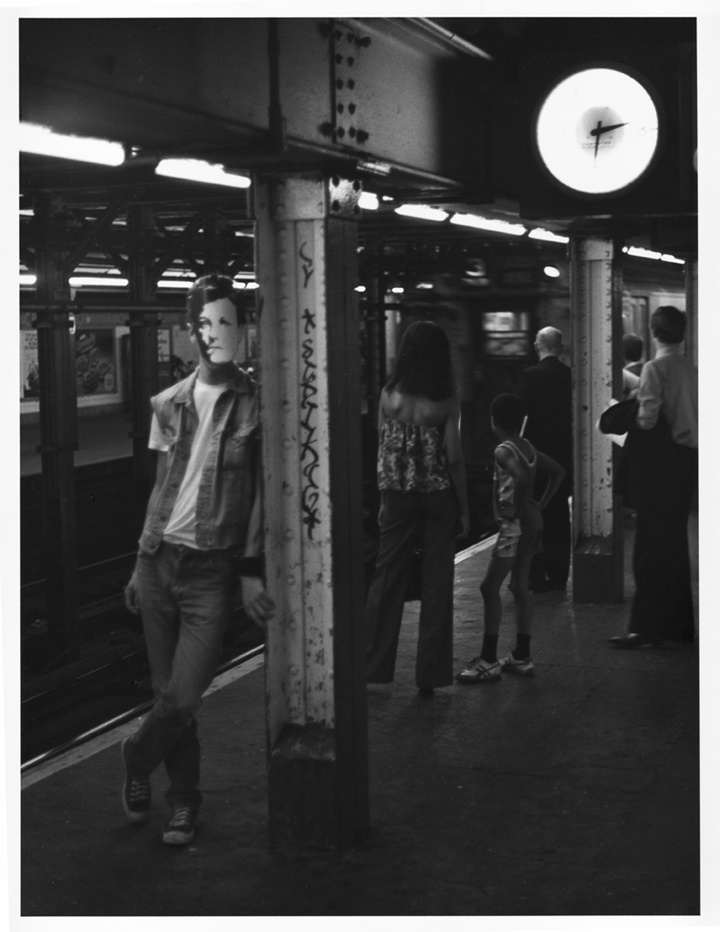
pixel 309 455
pixel 307 264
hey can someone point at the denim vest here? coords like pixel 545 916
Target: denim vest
pixel 227 485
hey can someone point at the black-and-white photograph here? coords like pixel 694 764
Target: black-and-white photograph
pixel 357 563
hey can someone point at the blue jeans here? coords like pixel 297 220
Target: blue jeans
pixel 186 598
pixel 437 514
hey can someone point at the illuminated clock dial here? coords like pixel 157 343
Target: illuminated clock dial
pixel 596 131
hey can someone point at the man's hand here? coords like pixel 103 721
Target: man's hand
pixel 256 602
pixel 131 595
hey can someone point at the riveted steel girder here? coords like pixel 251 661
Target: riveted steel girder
pixel 253 92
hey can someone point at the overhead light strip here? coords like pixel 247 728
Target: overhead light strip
pixel 641 253
pixel 488 223
pixel 41 140
pixel 547 236
pixel 198 170
pixel 368 201
pixel 422 212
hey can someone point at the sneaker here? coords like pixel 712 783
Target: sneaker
pixel 180 829
pixel 136 792
pixel 479 670
pixel 524 667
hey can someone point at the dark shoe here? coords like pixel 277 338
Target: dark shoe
pixel 136 791
pixel 634 641
pixel 180 829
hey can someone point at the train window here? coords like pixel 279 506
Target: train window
pixel 507 345
pixel 505 321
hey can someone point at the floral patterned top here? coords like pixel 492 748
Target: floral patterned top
pixel 411 458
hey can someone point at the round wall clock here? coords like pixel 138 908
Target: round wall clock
pixel 596 131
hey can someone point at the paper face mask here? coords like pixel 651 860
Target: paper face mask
pixel 217 332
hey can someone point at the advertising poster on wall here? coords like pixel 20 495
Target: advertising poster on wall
pixel 29 374
pixel 95 362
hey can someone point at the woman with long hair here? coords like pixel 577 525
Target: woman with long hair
pixel 421 477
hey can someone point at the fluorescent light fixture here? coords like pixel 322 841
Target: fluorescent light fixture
pixel 398 289
pixel 43 141
pixel 368 201
pixel 252 285
pixel 374 168
pixel 27 280
pixel 651 254
pixel 175 283
pixel 548 236
pixel 197 170
pixel 361 289
pixel 641 253
pixel 552 271
pixel 488 223
pixel 185 283
pixel 421 212
pixel 424 286
pixel 92 281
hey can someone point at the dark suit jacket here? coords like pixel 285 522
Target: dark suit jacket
pixel 546 390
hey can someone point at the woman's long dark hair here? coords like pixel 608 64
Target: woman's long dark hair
pixel 423 366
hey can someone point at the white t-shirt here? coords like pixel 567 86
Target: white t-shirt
pixel 180 528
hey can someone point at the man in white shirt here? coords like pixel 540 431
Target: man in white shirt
pixel 662 607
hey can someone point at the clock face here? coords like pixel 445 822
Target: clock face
pixel 597 131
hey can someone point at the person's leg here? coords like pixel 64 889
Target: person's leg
pixel 519 586
pixel 486 666
pixel 386 599
pixel 203 588
pixel 434 664
pixel 497 571
pixel 662 606
pixel 161 627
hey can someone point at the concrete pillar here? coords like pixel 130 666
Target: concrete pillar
pixel 596 328
pixel 306 265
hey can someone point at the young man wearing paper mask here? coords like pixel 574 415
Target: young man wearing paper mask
pixel 201 543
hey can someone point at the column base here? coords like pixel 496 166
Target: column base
pixel 303 776
pixel 598 570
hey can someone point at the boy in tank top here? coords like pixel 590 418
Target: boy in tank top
pixel 519 538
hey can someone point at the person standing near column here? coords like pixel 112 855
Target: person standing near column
pixel 201 544
pixel 421 476
pixel 662 458
pixel 546 391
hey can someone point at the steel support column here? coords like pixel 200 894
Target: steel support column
pixel 310 376
pixel 144 375
pixel 58 435
pixel 596 325
pixel 691 309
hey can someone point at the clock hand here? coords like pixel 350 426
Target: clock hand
pixel 605 129
pixel 596 133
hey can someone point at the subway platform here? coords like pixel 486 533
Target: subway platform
pixel 573 793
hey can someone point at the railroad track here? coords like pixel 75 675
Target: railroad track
pixel 67 713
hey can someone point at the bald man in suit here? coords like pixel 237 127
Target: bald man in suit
pixel 546 390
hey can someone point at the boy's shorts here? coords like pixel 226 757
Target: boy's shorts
pixel 521 537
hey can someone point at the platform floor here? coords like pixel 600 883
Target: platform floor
pixel 570 794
